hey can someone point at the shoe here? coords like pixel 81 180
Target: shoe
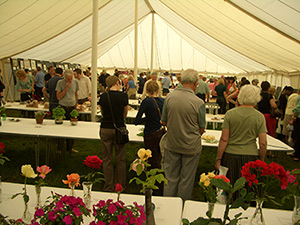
pixel 75 151
pixel 296 159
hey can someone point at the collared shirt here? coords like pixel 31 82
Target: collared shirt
pixel 69 98
pixel 291 104
pixel 40 78
pixel 84 87
pixel 166 82
pixel 184 114
pixel 202 87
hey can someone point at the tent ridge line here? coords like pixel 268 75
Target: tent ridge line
pixel 263 22
pixel 56 34
pixel 142 18
pixel 216 39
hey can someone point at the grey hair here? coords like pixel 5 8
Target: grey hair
pixel 249 95
pixel 189 76
pixel 68 73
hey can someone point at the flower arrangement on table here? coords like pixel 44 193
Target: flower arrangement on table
pixel 113 213
pixel 293 180
pixel 2 157
pixel 210 184
pixel 95 163
pixel 43 171
pixel 27 172
pixel 67 210
pixel 140 165
pixel 73 181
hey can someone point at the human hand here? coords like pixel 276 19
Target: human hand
pixel 68 84
pixel 218 164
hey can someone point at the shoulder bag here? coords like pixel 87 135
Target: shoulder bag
pixel 121 132
pixel 164 128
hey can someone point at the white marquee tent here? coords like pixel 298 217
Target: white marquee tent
pixel 256 38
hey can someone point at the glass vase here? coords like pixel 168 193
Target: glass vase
pixel 38 190
pixel 87 193
pixel 26 214
pixel 72 193
pixel 258 218
pixel 149 208
pixel 296 212
pixel 210 209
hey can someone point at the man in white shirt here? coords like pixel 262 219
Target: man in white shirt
pixel 154 78
pixel 84 93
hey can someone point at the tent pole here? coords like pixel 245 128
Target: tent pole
pixel 152 41
pixel 94 59
pixel 136 41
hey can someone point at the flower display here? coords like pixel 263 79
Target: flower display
pixel 62 210
pixel 2 146
pixel 43 170
pixel 118 189
pixel 144 154
pixel 27 171
pixel 135 163
pixel 260 176
pixel 72 179
pixel 293 178
pixel 95 163
pixel 209 190
pixel 2 151
pixel 223 177
pixel 109 212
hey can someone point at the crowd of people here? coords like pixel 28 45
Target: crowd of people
pixel 177 118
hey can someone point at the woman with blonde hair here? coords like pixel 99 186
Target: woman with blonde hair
pixel 25 85
pixel 221 96
pixel 131 87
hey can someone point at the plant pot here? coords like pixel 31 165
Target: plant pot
pixel 59 120
pixel 73 121
pixel 39 119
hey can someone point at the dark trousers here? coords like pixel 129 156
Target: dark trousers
pixel 38 91
pixel 222 103
pixel 111 176
pixel 202 96
pixel 25 96
pixel 296 137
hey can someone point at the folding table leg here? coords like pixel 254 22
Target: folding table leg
pixel 37 150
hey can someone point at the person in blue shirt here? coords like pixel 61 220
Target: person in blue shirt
pixel 131 87
pixel 39 83
pixel 166 81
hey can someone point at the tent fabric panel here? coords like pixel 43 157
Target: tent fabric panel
pixel 37 21
pixel 282 15
pixel 242 33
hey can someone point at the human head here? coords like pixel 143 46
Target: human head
pixel 289 90
pixel 103 71
pixel 21 74
pixel 77 73
pixel 265 85
pixel 154 76
pixel 130 77
pixel 166 73
pixel 39 68
pixel 230 80
pixel 26 71
pixel 245 82
pixel 59 71
pixel 272 90
pixel 141 74
pixel 255 81
pixel 111 81
pixel 68 75
pixel 51 70
pixel 201 77
pixel 152 87
pixel 190 77
pixel 243 79
pixel 221 81
pixel 249 95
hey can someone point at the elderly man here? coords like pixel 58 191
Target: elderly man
pixel 184 115
pixel 202 89
pixel 66 93
pixel 154 78
pixel 84 93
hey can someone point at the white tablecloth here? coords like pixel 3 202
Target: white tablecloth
pixel 167 209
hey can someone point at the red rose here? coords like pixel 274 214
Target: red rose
pixel 2 146
pixel 93 161
pixel 118 187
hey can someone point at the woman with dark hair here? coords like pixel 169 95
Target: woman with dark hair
pixel 264 106
pixel 231 88
pixel 232 98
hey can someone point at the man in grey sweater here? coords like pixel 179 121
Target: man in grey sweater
pixel 184 116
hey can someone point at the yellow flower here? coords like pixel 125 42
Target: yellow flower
pixel 27 171
pixel 202 175
pixel 211 175
pixel 206 183
pixel 144 154
pixel 203 178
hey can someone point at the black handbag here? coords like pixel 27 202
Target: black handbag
pixel 275 113
pixel 121 132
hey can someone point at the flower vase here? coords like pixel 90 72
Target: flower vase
pixel 72 193
pixel 26 214
pixel 87 193
pixel 296 212
pixel 210 209
pixel 258 218
pixel 38 190
pixel 149 208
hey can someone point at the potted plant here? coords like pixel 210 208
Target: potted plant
pixel 74 114
pixel 59 114
pixel 39 117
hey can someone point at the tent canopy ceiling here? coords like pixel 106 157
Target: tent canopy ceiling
pixel 208 35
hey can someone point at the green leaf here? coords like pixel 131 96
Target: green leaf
pixel 237 203
pixel 26 198
pixel 219 183
pixel 15 195
pixel 243 192
pixel 139 169
pixel 151 180
pixel 185 221
pixel 249 196
pixel 160 177
pixel 152 172
pixel 238 215
pixel 239 184
pixel 245 206
pixel 233 222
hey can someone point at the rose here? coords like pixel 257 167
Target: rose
pixel 27 171
pixel 223 177
pixel 2 146
pixel 93 162
pixel 144 154
pixel 73 178
pixel 43 170
pixel 118 187
pixel 137 162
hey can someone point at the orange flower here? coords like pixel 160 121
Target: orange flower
pixel 73 178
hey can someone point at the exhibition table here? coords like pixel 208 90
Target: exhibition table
pixel 193 209
pixel 168 210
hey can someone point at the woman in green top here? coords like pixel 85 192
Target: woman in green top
pixel 242 125
pixel 25 85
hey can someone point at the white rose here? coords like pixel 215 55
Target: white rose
pixel 27 171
